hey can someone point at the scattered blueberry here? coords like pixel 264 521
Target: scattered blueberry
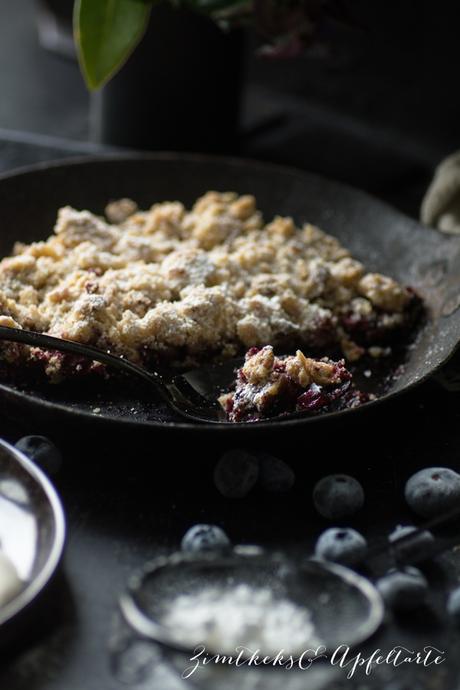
pixel 403 589
pixel 236 473
pixel 275 475
pixel 453 605
pixel 416 549
pixel 432 491
pixel 338 496
pixel 42 451
pixel 204 538
pixel 343 545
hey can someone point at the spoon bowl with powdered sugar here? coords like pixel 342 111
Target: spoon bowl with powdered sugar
pixel 246 600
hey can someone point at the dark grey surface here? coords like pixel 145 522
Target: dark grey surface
pixel 129 499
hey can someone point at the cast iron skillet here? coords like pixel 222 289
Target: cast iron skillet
pixel 383 238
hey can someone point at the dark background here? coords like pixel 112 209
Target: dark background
pixel 373 103
pixel 376 105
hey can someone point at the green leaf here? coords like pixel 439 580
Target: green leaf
pixel 106 33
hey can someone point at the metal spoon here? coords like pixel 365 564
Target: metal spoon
pixel 32 531
pixel 193 395
pixel 320 585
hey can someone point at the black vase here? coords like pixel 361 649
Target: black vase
pixel 180 90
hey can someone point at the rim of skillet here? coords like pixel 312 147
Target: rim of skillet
pixel 228 427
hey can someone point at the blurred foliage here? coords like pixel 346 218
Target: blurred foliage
pixel 107 31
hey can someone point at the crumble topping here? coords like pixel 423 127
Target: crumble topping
pixel 267 386
pixel 183 284
pixel 383 292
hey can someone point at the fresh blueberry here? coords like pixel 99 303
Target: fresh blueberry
pixel 415 549
pixel 42 451
pixel 403 589
pixel 432 491
pixel 275 475
pixel 453 605
pixel 236 473
pixel 205 538
pixel 338 496
pixel 343 545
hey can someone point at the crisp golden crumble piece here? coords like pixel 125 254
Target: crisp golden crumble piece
pixel 187 284
pixel 119 211
pixel 305 370
pixel 383 292
pixel 259 367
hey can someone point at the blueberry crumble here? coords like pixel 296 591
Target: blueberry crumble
pixel 180 285
pixel 268 386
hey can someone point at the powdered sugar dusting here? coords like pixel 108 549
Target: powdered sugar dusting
pixel 243 616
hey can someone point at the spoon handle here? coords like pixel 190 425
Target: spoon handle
pixel 49 342
pixel 449 536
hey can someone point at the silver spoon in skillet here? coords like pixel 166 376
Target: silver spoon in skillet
pixel 193 395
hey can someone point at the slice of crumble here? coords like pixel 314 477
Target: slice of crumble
pixel 267 386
